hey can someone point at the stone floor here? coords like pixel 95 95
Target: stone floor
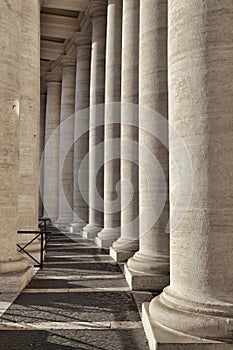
pixel 80 300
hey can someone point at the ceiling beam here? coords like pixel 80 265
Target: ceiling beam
pixel 61 27
pixel 71 5
pixel 50 50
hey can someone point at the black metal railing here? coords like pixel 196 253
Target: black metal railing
pixel 44 237
pixel 44 223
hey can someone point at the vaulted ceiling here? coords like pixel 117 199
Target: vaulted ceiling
pixel 60 20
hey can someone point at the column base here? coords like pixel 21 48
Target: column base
pixel 75 227
pixel 106 237
pixel 15 282
pixel 61 226
pixel 145 281
pixel 123 249
pixel 120 255
pixel 162 338
pixel 90 231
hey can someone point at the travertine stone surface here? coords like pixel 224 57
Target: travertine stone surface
pixel 42 144
pixel 81 138
pixel 199 300
pixel 66 153
pixel 111 229
pixel 51 152
pixel 28 210
pixel 150 264
pixel 129 154
pixel 13 267
pixel 98 14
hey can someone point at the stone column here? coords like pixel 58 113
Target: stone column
pixel 128 243
pixel 97 13
pixel 14 270
pixel 42 145
pixel 81 130
pixel 51 152
pixel 197 307
pixel 111 229
pixel 148 269
pixel 66 153
pixel 28 210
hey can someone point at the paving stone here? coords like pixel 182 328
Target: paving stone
pixel 73 339
pixel 49 298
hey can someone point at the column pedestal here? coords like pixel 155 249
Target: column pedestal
pixel 123 249
pixel 106 237
pixel 90 231
pixel 161 338
pixel 145 274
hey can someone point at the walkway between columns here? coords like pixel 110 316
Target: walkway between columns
pixel 79 301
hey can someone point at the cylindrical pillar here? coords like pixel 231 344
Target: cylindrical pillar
pixel 199 300
pixel 81 130
pixel 51 151
pixel 148 269
pixel 14 270
pixel 66 150
pixel 128 242
pixel 97 12
pixel 42 145
pixel 111 230
pixel 28 210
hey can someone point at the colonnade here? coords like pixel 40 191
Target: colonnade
pixel 135 65
pixel 144 75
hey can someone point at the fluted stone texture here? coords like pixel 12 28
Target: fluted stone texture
pixel 14 270
pixel 51 152
pixel 28 210
pixel 149 267
pixel 97 13
pixel 81 131
pixel 199 300
pixel 42 145
pixel 128 243
pixel 66 153
pixel 111 230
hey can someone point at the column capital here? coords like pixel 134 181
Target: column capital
pixel 97 8
pixel 81 38
pixel 53 77
pixel 66 61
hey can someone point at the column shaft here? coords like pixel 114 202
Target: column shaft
pixel 111 229
pixel 199 300
pixel 14 270
pixel 128 243
pixel 42 145
pixel 66 150
pixel 29 117
pixel 51 152
pixel 149 267
pixel 81 131
pixel 96 134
